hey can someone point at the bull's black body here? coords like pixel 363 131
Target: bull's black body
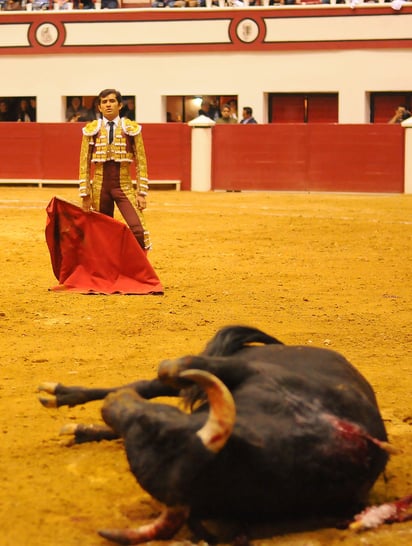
pixel 303 440
pixel 284 456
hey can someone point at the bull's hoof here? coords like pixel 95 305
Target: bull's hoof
pixel 81 434
pixel 69 429
pixel 48 402
pixel 49 388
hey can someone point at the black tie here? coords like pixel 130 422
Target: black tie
pixel 111 123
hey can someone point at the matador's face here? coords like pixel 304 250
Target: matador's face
pixel 110 107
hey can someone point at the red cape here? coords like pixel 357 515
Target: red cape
pixel 95 254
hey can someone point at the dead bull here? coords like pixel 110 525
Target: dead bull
pixel 283 431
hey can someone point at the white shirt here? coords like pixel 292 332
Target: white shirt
pixel 116 123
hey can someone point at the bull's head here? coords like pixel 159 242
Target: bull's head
pixel 213 434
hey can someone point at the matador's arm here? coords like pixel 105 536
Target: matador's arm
pixel 134 130
pixel 142 179
pixel 86 151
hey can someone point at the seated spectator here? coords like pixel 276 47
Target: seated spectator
pixel 76 112
pixel 33 107
pixel 401 113
pixel 4 111
pixel 226 116
pixel 12 5
pixel 247 116
pixel 128 110
pixel 24 112
pixel 168 3
pixel 205 109
pixel 65 4
pixel 209 109
pixel 94 112
pixel 40 5
pixel 233 108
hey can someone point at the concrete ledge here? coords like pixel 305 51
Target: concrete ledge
pixel 60 182
pixel 175 183
pixel 37 182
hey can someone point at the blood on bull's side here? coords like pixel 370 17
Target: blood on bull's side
pixel 275 432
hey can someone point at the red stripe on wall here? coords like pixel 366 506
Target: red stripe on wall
pixel 60 21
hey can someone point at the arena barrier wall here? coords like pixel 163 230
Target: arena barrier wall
pixel 309 157
pixel 278 157
pixel 49 153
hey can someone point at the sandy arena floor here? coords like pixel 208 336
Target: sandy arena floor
pixel 320 269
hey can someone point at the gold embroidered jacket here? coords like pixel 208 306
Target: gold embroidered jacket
pixel 127 147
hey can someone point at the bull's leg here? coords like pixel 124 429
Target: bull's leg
pixel 81 434
pixel 60 395
pixel 163 528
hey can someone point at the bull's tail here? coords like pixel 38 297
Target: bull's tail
pixel 232 339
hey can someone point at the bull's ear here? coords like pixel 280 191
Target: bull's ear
pixel 222 413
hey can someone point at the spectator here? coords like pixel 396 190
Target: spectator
pixel 233 108
pixel 65 4
pixel 4 111
pixel 128 110
pixel 76 112
pixel 401 113
pixel 205 109
pixel 24 112
pixel 168 3
pixel 247 115
pixel 226 116
pixel 94 112
pixel 209 108
pixel 13 5
pixel 40 5
pixel 33 107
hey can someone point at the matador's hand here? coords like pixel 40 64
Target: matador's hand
pixel 141 202
pixel 86 203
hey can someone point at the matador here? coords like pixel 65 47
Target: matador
pixel 109 147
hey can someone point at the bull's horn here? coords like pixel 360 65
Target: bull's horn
pixel 219 425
